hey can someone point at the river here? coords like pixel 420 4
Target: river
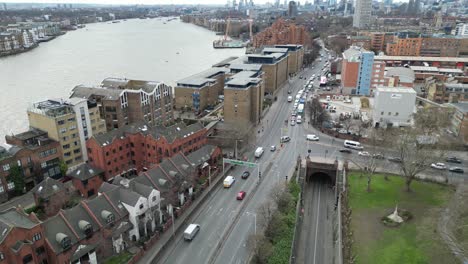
pixel 145 49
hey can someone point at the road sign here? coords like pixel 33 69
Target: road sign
pixel 241 163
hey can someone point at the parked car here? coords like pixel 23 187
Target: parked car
pixel 241 195
pixel 273 148
pixel 395 159
pixel 348 151
pixel 312 137
pixel 378 156
pixel 285 139
pixel 456 170
pixel 245 175
pixel 364 153
pixel 293 123
pixel 439 166
pixel 453 159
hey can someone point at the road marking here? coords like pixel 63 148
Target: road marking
pixel 316 224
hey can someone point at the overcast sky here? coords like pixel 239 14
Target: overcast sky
pixel 133 2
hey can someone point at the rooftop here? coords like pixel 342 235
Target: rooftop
pixel 199 80
pixel 406 75
pixel 243 79
pixel 353 53
pixel 269 50
pixel 396 90
pixel 12 218
pixel 225 62
pixel 48 187
pixel 85 172
pixel 415 58
pixel 52 108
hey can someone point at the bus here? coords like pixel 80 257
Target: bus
pixel 300 109
pixel 323 81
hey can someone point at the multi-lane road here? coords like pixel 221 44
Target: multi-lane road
pixel 227 223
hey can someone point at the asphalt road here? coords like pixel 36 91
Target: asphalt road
pixel 316 232
pixel 226 223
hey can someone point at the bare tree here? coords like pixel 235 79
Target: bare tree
pixel 262 248
pixel 432 120
pixel 415 153
pixel 315 110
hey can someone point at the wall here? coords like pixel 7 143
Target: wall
pixel 397 109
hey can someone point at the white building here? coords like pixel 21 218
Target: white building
pixel 362 14
pixel 393 106
pixel 462 30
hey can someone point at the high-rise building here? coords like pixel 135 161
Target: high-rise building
pixel 5 7
pixel 292 9
pixel 462 30
pixel 362 14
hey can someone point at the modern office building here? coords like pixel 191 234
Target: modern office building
pixel 393 106
pixel 124 101
pixel 362 14
pixel 243 99
pixel 292 9
pixel 68 122
pixel 200 91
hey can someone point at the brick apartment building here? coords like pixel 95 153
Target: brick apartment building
pixel 134 147
pixel 444 92
pixel 360 41
pixel 124 101
pixel 279 33
pixel 459 121
pixel 22 239
pixel 37 155
pixel 201 90
pixel 87 179
pixel 413 44
pixel 243 99
pixel 51 196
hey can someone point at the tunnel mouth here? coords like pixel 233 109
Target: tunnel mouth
pixel 320 178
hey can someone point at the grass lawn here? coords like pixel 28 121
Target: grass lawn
pixel 119 259
pixel 416 241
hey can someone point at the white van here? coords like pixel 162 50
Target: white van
pixel 228 181
pixel 259 152
pixel 191 231
pixel 353 144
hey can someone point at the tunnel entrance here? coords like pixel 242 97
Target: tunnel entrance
pixel 321 170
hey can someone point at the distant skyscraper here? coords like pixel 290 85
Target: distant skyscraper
pixel 4 7
pixel 362 13
pixel 388 2
pixel 251 3
pixel 292 9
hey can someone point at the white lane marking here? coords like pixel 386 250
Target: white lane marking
pixel 316 225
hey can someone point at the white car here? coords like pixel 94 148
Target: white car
pixel 439 166
pixel 312 137
pixel 293 123
pixel 364 153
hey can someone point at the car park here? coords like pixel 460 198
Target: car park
pixel 456 170
pixel 245 175
pixel 364 153
pixel 241 195
pixel 438 166
pixel 453 159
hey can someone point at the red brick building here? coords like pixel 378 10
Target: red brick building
pixel 281 32
pixel 133 148
pixel 36 154
pixel 22 238
pixel 87 179
pixel 50 195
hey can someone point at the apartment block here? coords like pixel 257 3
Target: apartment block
pixel 201 90
pixel 124 101
pixel 133 148
pixel 275 68
pixel 86 179
pixel 359 73
pixel 37 156
pixel 295 57
pixel 279 33
pixel 243 99
pixel 360 41
pixel 69 123
pixel 413 44
pixel 362 14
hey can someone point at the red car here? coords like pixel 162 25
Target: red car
pixel 241 195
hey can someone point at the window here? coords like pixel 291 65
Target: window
pixel 44 165
pixel 36 237
pixel 141 206
pixel 61 122
pixel 382 113
pixel 154 198
pixel 63 130
pixel 40 250
pixel 27 259
pixel 2 257
pixel 2 189
pixel 396 113
pixel 6 167
pixel 11 185
pixel 389 113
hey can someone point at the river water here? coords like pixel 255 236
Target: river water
pixel 145 49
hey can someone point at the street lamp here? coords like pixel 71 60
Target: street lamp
pixel 236 146
pixel 209 175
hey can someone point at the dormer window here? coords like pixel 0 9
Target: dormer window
pixel 86 228
pixel 141 206
pixel 108 216
pixel 63 240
